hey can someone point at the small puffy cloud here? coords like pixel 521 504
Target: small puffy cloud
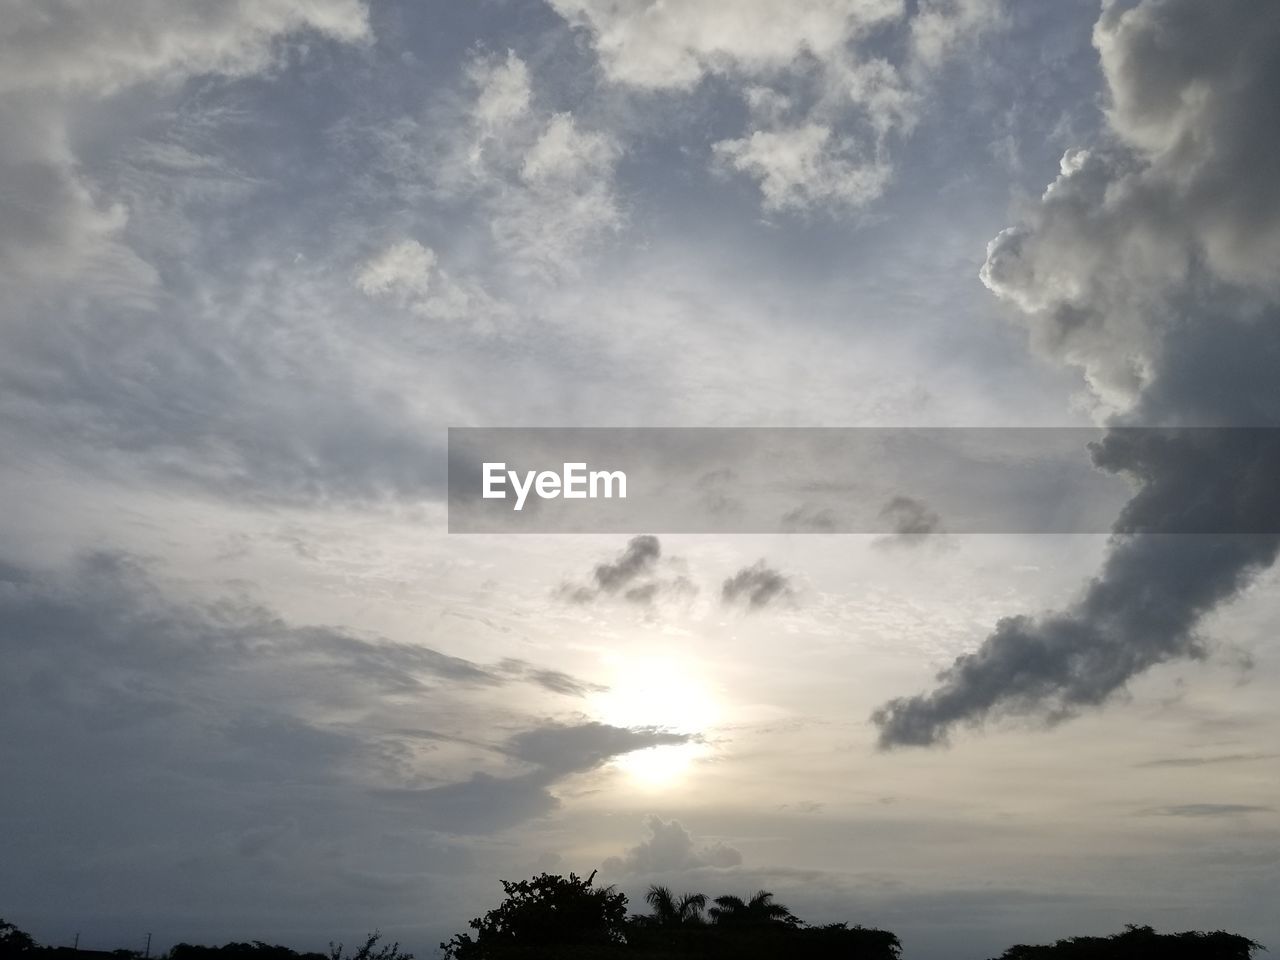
pixel 634 577
pixel 543 182
pixel 504 95
pixel 670 848
pixel 913 522
pixel 637 559
pixel 807 166
pixel 756 587
pixel 941 25
pixel 409 275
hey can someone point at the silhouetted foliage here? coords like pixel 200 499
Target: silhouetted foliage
pixel 671 912
pixel 546 918
pixel 1141 943
pixel 257 950
pixel 759 911
pixel 370 950
pixel 14 942
pixel 551 918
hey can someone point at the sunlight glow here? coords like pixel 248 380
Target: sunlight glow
pixel 663 692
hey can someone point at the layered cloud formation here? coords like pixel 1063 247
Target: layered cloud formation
pixel 1151 259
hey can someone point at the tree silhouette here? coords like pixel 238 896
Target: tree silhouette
pixel 759 911
pixel 670 912
pixel 257 950
pixel 13 941
pixel 370 950
pixel 546 918
pixel 1141 943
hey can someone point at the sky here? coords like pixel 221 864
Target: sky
pixel 257 257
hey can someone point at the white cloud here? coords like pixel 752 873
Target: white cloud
pixel 505 95
pixel 832 150
pixel 409 275
pixel 97 48
pixel 55 223
pixel 940 25
pixel 545 184
pixel 658 45
pixel 805 166
pixel 1119 255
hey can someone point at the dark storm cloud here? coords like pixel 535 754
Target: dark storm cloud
pixel 1144 606
pixel 1150 264
pixel 756 587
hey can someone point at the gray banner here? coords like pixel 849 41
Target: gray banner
pixel 905 482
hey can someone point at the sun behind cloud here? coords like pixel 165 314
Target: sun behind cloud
pixel 663 691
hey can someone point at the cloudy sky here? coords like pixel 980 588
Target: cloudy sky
pixel 256 257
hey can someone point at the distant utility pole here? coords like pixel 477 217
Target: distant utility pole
pixel 147 952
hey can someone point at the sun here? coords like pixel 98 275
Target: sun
pixel 663 692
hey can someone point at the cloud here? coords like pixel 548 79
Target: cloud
pixel 632 577
pixel 544 183
pixel 408 275
pixel 1207 810
pixel 808 517
pixel 485 803
pixel 231 713
pixel 56 222
pixel 805 166
pixel 663 46
pixel 554 680
pixel 637 560
pixel 97 50
pixel 756 587
pixel 1148 263
pixel 914 524
pixel 670 848
pixel 561 749
pixel 1163 220
pixel 104 633
pixel 1206 761
pixel 823 108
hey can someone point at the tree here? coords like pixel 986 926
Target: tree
pixel 370 950
pixel 13 941
pixel 257 950
pixel 760 910
pixel 670 912
pixel 547 918
pixel 1141 943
